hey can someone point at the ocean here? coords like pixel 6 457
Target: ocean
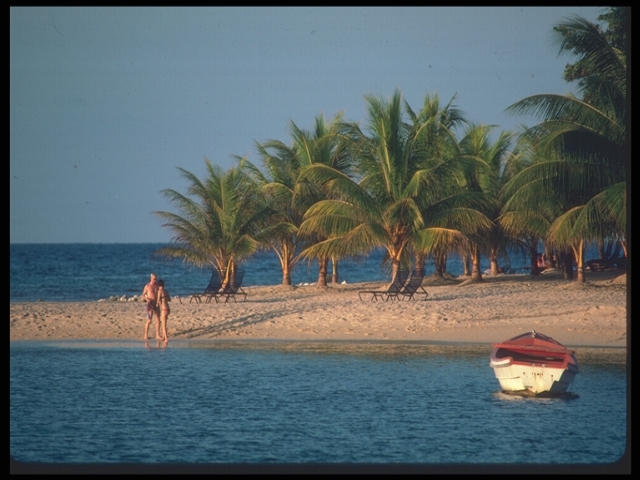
pixel 226 403
pixel 235 402
pixel 89 272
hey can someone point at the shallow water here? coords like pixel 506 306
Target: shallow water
pixel 302 403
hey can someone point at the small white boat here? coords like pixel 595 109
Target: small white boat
pixel 534 364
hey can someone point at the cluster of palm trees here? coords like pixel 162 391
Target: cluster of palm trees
pixel 574 189
pixel 427 183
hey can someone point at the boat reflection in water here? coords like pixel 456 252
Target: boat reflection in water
pixel 533 364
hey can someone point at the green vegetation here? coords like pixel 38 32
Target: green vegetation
pixel 578 178
pixel 220 228
pixel 407 183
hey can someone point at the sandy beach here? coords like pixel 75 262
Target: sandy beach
pixel 502 306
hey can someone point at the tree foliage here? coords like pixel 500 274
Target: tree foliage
pixel 218 218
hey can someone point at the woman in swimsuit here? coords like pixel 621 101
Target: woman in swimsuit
pixel 163 303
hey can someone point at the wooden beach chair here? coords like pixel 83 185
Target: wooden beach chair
pixel 413 287
pixel 391 292
pixel 232 289
pixel 214 286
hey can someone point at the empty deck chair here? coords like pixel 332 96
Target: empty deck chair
pixel 413 287
pixel 232 289
pixel 214 286
pixel 391 292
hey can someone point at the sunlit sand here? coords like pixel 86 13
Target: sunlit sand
pixel 501 307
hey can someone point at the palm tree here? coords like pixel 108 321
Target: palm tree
pixel 524 225
pixel 601 66
pixel 323 145
pixel 288 196
pixel 384 205
pixel 606 210
pixel 376 210
pixel 280 229
pixel 599 217
pixel 218 225
pixel 586 139
pixel 437 149
pixel 487 175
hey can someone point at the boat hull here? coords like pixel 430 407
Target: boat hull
pixel 534 364
pixel 534 379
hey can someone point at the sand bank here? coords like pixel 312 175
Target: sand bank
pixel 594 313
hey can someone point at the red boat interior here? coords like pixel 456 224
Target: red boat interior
pixel 534 347
pixel 530 357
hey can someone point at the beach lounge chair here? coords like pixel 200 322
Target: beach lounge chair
pixel 232 289
pixel 214 286
pixel 413 287
pixel 391 292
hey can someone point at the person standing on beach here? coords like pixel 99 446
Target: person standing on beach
pixel 163 303
pixel 150 295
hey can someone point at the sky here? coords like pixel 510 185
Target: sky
pixel 107 103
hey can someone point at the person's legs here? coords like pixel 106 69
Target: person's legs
pixel 146 328
pixel 158 336
pixel 164 317
pixel 150 311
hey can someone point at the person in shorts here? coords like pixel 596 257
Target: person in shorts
pixel 150 295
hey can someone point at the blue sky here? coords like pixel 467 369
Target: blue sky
pixel 106 103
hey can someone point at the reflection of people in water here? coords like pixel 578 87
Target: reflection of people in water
pixel 163 304
pixel 159 343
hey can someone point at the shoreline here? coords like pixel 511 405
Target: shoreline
pixel 456 312
pixel 191 342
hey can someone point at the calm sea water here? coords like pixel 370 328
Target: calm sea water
pixel 80 272
pixel 269 403
pixel 272 402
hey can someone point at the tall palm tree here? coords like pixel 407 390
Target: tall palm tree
pixel 524 225
pixel 383 205
pixel 323 145
pixel 437 149
pixel 218 219
pixel 280 229
pixel 288 196
pixel 590 136
pixel 487 175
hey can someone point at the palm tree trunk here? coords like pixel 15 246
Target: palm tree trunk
pixel 322 271
pixel 466 262
pixel 419 262
pixel 229 274
pixel 334 270
pixel 578 252
pixel 285 263
pixel 565 259
pixel 623 243
pixel 441 264
pixel 286 275
pixel 475 264
pixel 493 260
pixel 222 272
pixel 395 267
